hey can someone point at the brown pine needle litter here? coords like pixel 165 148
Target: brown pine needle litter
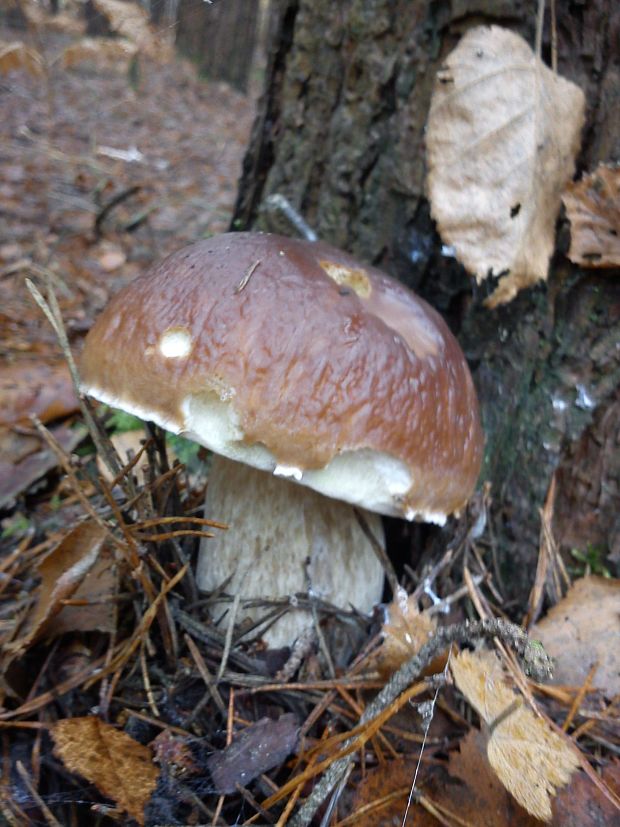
pixel 179 690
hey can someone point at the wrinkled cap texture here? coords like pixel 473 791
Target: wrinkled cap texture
pixel 295 358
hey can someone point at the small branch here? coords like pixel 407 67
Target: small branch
pixel 278 203
pixel 111 204
pixel 535 661
pixel 379 551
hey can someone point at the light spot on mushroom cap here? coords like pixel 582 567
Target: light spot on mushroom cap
pixel 345 276
pixel 175 343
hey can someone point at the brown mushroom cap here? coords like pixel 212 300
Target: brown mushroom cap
pixel 293 357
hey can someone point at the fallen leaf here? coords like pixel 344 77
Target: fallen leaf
pixel 482 800
pixel 40 388
pixel 583 629
pixel 14 446
pixel 99 53
pixel 61 573
pixel 582 804
pixel 405 630
pixel 131 21
pixel 17 476
pixel 593 209
pixel 380 797
pixel 94 609
pixel 17 56
pixel 121 768
pixel 529 758
pixel 257 749
pixel 502 135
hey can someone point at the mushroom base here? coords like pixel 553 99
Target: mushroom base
pixel 284 539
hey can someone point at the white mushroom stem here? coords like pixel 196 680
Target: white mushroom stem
pixel 283 539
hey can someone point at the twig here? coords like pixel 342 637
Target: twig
pixel 205 674
pixel 540 23
pixel 378 549
pixel 49 817
pixel 554 39
pixel 535 661
pixel 427 719
pixel 280 203
pixel 51 310
pixel 246 277
pixel 229 636
pixel 269 819
pixel 113 202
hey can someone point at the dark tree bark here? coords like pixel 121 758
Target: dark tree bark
pixel 220 37
pixel 340 132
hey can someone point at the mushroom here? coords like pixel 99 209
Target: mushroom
pixel 337 385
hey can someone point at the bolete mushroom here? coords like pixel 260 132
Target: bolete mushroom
pixel 316 371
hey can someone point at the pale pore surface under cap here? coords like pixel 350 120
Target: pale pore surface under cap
pixel 370 479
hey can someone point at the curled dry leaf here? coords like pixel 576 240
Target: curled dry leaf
pixel 405 631
pixel 120 768
pixel 62 571
pixel 502 135
pixel 529 758
pixel 17 56
pixel 593 209
pixel 583 629
pixel 93 608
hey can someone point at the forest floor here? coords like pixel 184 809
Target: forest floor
pixel 118 694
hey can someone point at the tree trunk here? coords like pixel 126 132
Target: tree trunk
pixel 220 37
pixel 340 133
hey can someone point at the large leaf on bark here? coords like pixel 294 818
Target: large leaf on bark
pixel 502 135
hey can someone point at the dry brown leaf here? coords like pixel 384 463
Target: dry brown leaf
pixel 131 21
pixel 94 609
pixel 31 387
pixel 105 53
pixel 380 797
pixel 502 135
pixel 121 768
pixel 61 572
pixel 258 748
pixel 582 629
pixel 481 799
pixel 16 55
pixel 18 471
pixel 405 631
pixel 593 208
pixel 529 758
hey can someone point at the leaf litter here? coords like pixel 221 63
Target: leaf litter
pixel 582 631
pixel 117 764
pixel 529 758
pixel 502 136
pixel 593 209
pixel 92 197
